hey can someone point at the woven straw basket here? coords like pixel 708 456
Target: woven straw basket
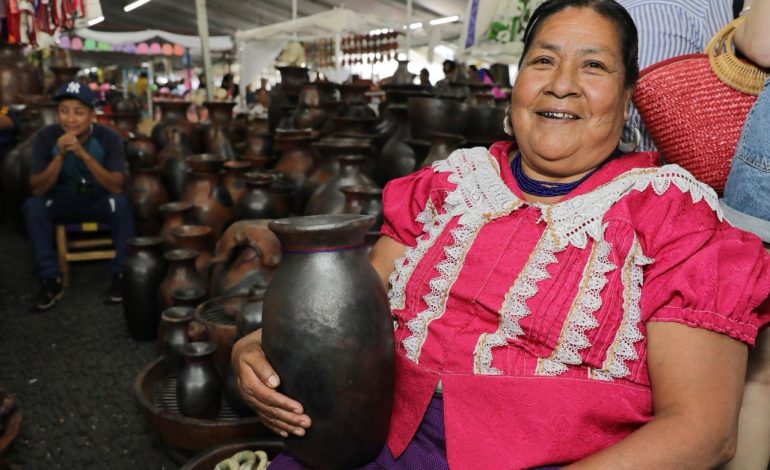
pixel 694 106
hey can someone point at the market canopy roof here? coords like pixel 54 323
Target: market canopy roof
pixel 216 43
pixel 321 25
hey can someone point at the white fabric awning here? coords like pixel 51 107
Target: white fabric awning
pixel 322 25
pixel 216 43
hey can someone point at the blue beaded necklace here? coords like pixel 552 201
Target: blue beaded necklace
pixel 546 188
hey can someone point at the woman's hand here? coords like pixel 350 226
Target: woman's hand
pixel 257 382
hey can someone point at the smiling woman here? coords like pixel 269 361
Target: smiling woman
pixel 563 303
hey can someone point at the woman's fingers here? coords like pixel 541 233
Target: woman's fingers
pixel 257 381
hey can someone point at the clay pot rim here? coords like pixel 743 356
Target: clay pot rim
pixel 178 314
pixel 190 230
pixel 360 189
pixel 236 164
pixel 198 349
pixel 176 206
pixel 316 223
pixel 188 293
pixel 345 143
pixel 181 254
pixel 144 241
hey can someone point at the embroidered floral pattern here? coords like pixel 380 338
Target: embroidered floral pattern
pixel 622 347
pixel 580 317
pixel 514 307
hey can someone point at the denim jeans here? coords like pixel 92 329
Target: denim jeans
pixel 41 213
pixel 746 201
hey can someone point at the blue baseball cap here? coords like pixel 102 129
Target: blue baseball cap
pixel 78 91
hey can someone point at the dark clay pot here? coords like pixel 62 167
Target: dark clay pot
pixel 328 199
pixel 174 117
pixel 240 270
pixel 249 317
pixel 485 125
pixel 143 270
pixel 257 150
pixel 324 301
pixel 173 165
pixel 147 194
pixel 255 234
pixel 397 159
pixel 364 200
pixel 235 180
pixel 259 201
pixel 188 296
pixel 199 387
pixel 441 145
pixel 174 215
pixel 428 116
pixel 181 273
pixel 211 202
pixel 198 238
pixel 329 150
pixel 174 323
pixel 141 153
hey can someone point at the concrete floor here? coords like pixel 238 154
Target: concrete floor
pixel 72 368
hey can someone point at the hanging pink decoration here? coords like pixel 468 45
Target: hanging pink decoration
pixel 142 48
pixel 167 49
pixel 155 48
pixel 77 44
pixel 178 50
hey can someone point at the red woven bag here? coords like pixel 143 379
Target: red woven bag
pixel 693 117
pixel 695 105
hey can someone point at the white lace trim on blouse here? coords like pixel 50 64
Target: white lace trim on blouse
pixel 622 348
pixel 514 306
pixel 433 226
pixel 481 195
pixel 580 318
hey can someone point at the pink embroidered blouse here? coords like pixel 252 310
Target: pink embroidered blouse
pixel 533 316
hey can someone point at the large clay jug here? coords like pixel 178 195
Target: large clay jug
pixel 199 386
pixel 397 159
pixel 328 199
pixel 173 164
pixel 173 337
pixel 146 193
pixel 141 152
pixel 198 238
pixel 235 180
pixel 211 202
pixel 174 116
pixel 328 332
pixel 174 215
pixel 180 273
pixel 143 271
pixel 259 201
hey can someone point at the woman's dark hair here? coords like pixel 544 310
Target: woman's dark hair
pixel 610 9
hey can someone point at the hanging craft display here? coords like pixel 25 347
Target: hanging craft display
pixel 369 48
pixel 28 21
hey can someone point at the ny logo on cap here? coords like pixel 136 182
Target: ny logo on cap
pixel 73 87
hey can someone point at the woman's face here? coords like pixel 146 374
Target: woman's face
pixel 569 102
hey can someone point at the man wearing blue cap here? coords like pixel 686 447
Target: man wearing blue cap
pixel 77 175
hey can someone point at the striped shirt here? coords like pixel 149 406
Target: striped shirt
pixel 670 28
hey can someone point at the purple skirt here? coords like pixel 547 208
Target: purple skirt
pixel 426 450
